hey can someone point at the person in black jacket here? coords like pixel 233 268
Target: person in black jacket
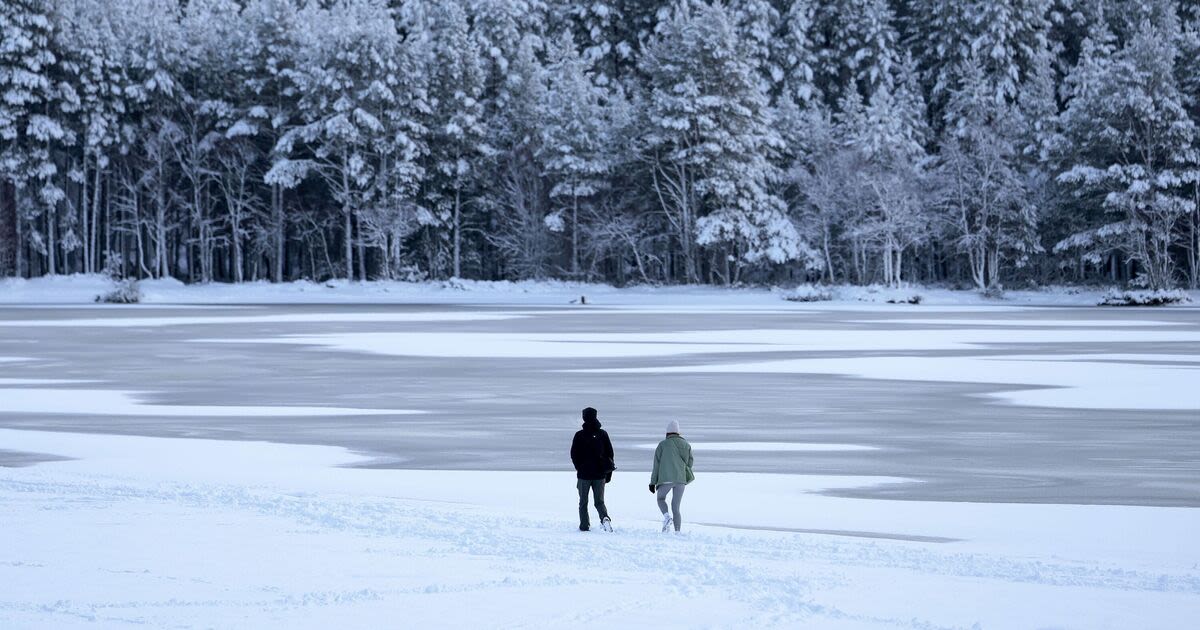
pixel 592 454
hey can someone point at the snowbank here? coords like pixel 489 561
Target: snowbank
pixel 83 289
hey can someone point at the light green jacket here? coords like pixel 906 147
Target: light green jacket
pixel 672 461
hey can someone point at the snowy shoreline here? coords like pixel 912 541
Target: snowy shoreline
pixel 287 536
pixel 83 289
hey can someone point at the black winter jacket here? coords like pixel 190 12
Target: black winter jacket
pixel 592 452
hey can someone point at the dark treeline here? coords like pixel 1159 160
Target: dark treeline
pixel 962 142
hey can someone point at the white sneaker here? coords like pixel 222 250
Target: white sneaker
pixel 606 524
pixel 666 523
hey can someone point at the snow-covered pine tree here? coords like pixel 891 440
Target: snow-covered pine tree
pixel 858 47
pixel 576 146
pixel 205 115
pixel 889 133
pixel 500 28
pixel 520 227
pixel 268 100
pixel 35 99
pixel 596 27
pixel 1132 150
pixel 456 127
pixel 155 60
pixel 709 144
pixel 1189 84
pixel 348 81
pixel 981 180
pixel 1002 38
pixel 92 32
pixel 795 52
pixel 757 22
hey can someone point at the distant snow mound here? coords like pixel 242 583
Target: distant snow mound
pixel 125 292
pixel 889 295
pixel 1158 297
pixel 809 293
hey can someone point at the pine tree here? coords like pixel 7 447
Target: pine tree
pixel 349 82
pixel 859 48
pixel 1002 38
pixel 709 144
pixel 34 97
pixel 888 134
pixel 795 53
pixel 983 184
pixel 521 228
pixel 457 124
pixel 268 99
pixel 1132 150
pixel 576 145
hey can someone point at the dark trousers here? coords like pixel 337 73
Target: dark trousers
pixel 596 486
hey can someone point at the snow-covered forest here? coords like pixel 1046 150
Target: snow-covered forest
pixel 968 143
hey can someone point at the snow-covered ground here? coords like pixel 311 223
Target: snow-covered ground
pixel 1046 458
pixel 136 531
pixel 83 289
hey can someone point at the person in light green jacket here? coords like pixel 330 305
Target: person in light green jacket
pixel 672 472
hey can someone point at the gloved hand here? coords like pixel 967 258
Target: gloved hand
pixel 608 477
pixel 651 488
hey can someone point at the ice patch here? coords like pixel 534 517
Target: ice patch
pixel 1039 323
pixel 8 382
pixel 657 344
pixel 1071 384
pixel 299 318
pixel 125 403
pixel 779 447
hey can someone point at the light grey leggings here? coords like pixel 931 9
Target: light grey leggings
pixel 676 497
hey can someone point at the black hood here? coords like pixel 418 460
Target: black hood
pixel 591 424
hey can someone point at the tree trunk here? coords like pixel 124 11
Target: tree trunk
pixel 84 205
pixel 457 233
pixel 95 261
pixel 574 235
pixel 51 240
pixel 1194 245
pixel 9 241
pixel 349 238
pixel 160 233
pixel 362 253
pixel 277 225
pixel 236 224
pixel 828 255
pixel 348 244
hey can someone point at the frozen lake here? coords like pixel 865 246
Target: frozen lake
pixel 1042 405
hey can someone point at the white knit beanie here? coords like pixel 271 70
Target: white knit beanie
pixel 673 426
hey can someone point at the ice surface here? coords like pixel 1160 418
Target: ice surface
pixel 1077 384
pixel 29 400
pixel 779 447
pixel 504 394
pixel 230 320
pixel 660 344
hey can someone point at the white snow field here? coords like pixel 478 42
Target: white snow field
pixel 966 465
pixel 136 531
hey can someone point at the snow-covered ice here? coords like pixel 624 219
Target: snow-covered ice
pixel 300 318
pixel 779 447
pixel 1078 384
pixel 660 344
pixel 33 400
